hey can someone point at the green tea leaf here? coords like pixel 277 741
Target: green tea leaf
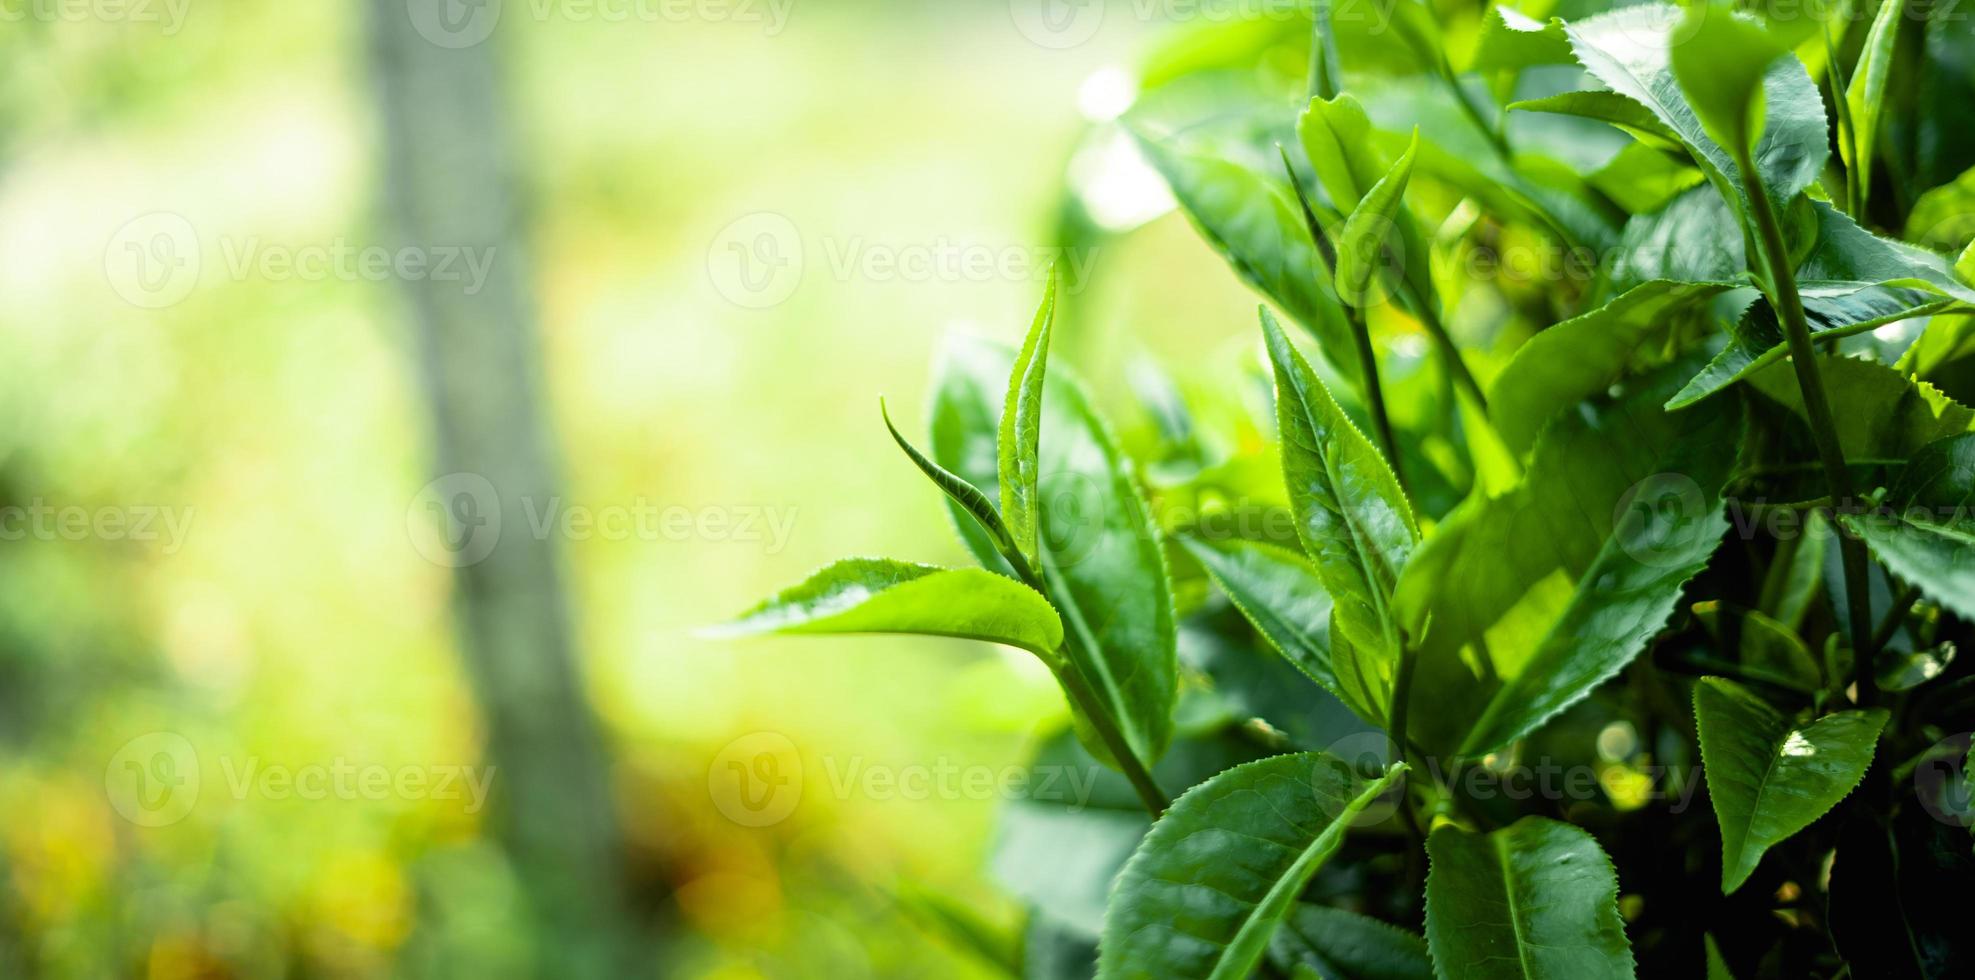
pixel 1535 899
pixel 1260 231
pixel 1717 967
pixel 1879 414
pixel 1335 134
pixel 1183 908
pixel 1865 97
pixel 1632 51
pixel 1020 432
pixel 1764 647
pixel 1340 945
pixel 1099 554
pixel 1832 310
pixel 877 595
pixel 1769 779
pixel 1062 840
pixel 1281 595
pixel 981 516
pixel 1927 533
pixel 1511 41
pixel 1582 356
pixel 1372 229
pixel 1530 599
pixel 1350 514
pixel 1720 58
pixel 1609 107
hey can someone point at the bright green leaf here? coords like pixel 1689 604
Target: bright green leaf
pixel 1768 778
pixel 1021 430
pixel 876 595
pixel 1865 97
pixel 1098 552
pixel 1350 513
pixel 1260 231
pixel 1632 51
pixel 1609 107
pixel 1372 229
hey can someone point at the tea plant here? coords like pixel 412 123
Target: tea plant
pixel 1688 505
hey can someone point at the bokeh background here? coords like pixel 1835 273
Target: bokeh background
pixel 243 694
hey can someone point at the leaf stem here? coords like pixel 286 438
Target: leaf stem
pixel 1361 338
pixel 1078 688
pixel 1789 305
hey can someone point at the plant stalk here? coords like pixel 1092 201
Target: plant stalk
pixel 1789 306
pixel 1078 688
pixel 1361 338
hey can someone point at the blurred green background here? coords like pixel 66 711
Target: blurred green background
pixel 734 225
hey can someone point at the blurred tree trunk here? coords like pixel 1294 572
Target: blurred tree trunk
pixel 450 182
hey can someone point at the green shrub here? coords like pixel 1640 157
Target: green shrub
pixel 1631 466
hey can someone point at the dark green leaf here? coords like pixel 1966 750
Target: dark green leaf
pixel 1880 415
pixel 1536 899
pixel 1582 356
pixel 1831 310
pixel 1183 908
pixel 1556 585
pixel 1927 533
pixel 1768 778
pixel 1341 945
